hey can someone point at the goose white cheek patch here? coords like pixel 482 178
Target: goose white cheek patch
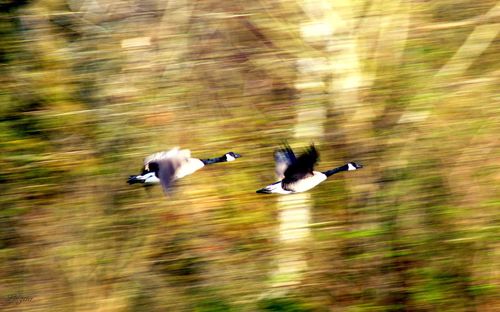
pixel 229 157
pixel 350 167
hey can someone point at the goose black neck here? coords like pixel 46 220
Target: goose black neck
pixel 336 170
pixel 209 161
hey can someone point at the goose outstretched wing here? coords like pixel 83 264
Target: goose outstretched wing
pixel 166 171
pixel 175 152
pixel 283 158
pixel 302 167
pixel 166 164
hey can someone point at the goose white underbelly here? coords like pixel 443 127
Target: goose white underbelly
pixel 188 167
pixel 276 188
pixel 307 183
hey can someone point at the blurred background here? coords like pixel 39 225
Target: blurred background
pixel 407 88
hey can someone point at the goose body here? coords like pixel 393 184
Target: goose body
pixel 167 166
pixel 297 174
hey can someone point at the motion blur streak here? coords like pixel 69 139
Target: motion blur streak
pixel 407 88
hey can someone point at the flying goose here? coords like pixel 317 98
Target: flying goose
pixel 297 174
pixel 167 166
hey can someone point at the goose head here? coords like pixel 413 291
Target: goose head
pixel 231 156
pixel 354 166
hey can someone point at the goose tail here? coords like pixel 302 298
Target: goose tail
pixel 133 179
pixel 272 189
pixel 265 190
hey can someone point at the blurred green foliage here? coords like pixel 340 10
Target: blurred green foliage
pixel 88 88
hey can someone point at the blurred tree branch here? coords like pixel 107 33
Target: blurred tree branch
pixel 491 16
pixel 476 43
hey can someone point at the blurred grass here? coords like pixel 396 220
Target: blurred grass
pixel 415 230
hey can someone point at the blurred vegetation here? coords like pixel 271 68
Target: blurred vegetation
pixel 88 88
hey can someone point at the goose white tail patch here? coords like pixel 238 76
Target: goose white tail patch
pixel 276 188
pixel 149 178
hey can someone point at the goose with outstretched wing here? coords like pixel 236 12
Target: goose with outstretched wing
pixel 297 174
pixel 167 166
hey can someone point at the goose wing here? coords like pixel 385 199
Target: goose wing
pixel 175 152
pixel 166 170
pixel 283 158
pixel 166 164
pixel 302 167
